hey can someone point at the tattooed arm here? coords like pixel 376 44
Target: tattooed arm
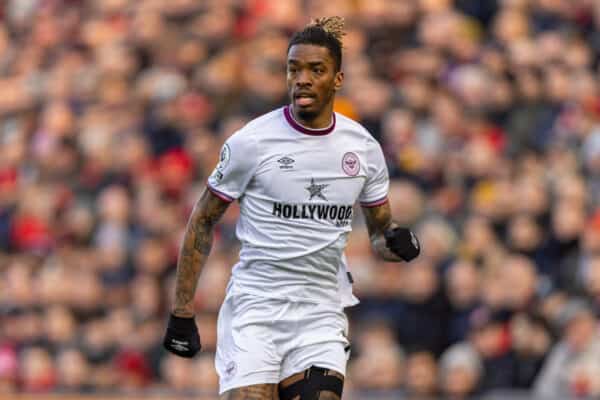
pixel 390 240
pixel 379 220
pixel 194 251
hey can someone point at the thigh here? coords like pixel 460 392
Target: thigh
pixel 246 356
pixel 330 355
pixel 298 382
pixel 321 342
pixel 266 391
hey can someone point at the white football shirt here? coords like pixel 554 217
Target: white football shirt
pixel 296 188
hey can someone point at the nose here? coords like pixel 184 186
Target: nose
pixel 303 78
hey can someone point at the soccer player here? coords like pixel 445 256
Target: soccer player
pixel 296 172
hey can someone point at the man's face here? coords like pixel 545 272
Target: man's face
pixel 580 331
pixel 312 79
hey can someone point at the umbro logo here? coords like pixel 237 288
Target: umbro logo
pixel 286 162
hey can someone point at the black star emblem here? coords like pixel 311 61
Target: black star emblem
pixel 316 190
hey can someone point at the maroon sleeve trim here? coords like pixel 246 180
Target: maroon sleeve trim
pixel 375 203
pixel 219 194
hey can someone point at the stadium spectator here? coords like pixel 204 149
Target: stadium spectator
pixel 572 363
pixel 460 370
pixel 421 375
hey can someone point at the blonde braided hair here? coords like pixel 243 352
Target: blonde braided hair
pixel 332 25
pixel 327 32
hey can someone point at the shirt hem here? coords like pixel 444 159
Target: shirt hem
pixel 237 289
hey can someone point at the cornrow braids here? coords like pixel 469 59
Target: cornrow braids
pixel 326 32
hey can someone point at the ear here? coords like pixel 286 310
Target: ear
pixel 337 81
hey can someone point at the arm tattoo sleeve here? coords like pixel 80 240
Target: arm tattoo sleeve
pixel 194 251
pixel 379 219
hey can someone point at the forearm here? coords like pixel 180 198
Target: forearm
pixel 379 246
pixel 194 251
pixel 389 240
pixel 379 220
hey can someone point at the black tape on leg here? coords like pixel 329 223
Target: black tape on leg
pixel 319 381
pixel 295 389
pixel 315 381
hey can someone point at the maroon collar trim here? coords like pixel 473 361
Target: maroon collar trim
pixel 307 131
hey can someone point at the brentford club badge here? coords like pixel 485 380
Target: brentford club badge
pixel 350 164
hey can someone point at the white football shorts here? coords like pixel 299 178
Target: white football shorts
pixel 265 340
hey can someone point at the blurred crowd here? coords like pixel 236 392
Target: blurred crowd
pixel 112 113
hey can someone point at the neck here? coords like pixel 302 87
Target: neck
pixel 321 121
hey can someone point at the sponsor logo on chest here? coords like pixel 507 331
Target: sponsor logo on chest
pixel 340 214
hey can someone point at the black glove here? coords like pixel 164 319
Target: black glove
pixel 182 337
pixel 403 243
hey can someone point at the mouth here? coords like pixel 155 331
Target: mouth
pixel 304 99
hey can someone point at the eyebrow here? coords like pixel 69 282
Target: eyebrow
pixel 310 63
